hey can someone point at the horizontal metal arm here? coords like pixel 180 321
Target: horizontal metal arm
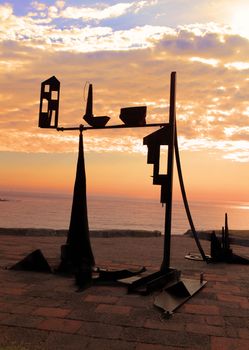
pixel 121 126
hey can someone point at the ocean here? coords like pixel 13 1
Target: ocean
pixel 41 210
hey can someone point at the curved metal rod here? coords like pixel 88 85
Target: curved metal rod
pixel 185 200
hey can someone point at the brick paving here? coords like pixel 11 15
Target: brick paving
pixel 44 311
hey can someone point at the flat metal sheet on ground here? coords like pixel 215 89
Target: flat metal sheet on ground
pixel 174 296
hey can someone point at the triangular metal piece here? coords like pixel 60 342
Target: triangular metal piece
pixel 177 294
pixel 34 261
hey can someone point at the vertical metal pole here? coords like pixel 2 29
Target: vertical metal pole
pixel 170 165
pixel 226 233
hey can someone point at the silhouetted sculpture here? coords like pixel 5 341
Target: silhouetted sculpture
pixel 165 136
pixel 220 249
pixel 76 255
pixel 154 141
pixel 49 103
pixel 96 122
pixel 34 261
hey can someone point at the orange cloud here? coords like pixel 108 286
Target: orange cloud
pixel 127 68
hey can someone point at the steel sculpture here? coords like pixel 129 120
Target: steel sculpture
pixel 179 289
pixel 76 255
pixel 221 250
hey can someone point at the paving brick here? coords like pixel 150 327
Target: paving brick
pixel 237 322
pixel 113 309
pixel 60 325
pixel 216 277
pixel 244 304
pixel 85 312
pixel 221 343
pixel 182 317
pixel 165 324
pixel 51 312
pixel 165 337
pixel 12 291
pixel 22 321
pixel 205 329
pixel 226 310
pixel 232 298
pixel 100 330
pixel 143 346
pixel 244 333
pixel 215 320
pixel 63 341
pixel 135 319
pixel 207 293
pixel 231 332
pixel 231 289
pixel 14 338
pixel 8 307
pixel 23 309
pixel 15 284
pixel 102 344
pixel 3 316
pixel 202 309
pixel 107 291
pixel 136 300
pixel 102 299
pixel 100 323
pixel 44 302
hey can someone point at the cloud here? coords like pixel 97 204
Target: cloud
pixel 101 13
pixel 38 6
pixel 237 151
pixel 209 41
pixel 96 13
pixel 42 34
pixel 128 68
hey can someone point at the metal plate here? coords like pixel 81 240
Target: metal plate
pixel 177 294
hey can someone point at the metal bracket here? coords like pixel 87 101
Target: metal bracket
pixel 177 294
pixel 147 284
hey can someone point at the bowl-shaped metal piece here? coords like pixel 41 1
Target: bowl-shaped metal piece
pixel 96 122
pixel 133 116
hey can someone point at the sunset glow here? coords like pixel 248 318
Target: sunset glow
pixel 240 20
pixel 127 50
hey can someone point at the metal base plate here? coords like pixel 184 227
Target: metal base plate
pixel 177 294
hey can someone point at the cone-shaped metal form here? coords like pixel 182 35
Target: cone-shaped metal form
pixel 78 235
pixel 77 253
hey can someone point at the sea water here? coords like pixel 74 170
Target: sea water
pixel 41 210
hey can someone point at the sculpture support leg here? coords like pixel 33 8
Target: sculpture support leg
pixel 77 253
pixel 170 165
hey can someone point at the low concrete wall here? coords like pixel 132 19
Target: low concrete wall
pixel 93 233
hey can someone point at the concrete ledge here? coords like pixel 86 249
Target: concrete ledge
pixel 61 233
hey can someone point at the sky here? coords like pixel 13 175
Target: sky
pixel 127 50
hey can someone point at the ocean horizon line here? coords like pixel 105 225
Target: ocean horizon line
pixel 53 210
pixel 69 195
